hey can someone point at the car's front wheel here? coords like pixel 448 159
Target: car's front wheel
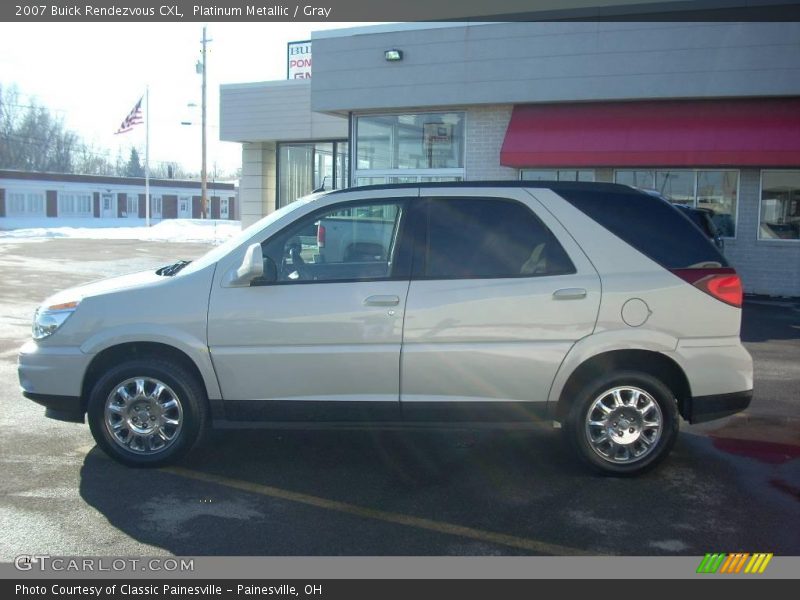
pixel 147 412
pixel 623 423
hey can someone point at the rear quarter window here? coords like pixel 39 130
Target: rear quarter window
pixel 654 227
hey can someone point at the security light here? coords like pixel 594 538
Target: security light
pixel 393 55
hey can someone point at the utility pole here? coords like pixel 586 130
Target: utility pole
pixel 203 172
pixel 147 157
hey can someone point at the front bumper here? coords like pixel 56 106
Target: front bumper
pixel 53 377
pixel 707 408
pixel 61 408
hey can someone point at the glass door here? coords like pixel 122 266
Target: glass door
pixel 308 166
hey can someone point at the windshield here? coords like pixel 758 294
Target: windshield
pixel 215 254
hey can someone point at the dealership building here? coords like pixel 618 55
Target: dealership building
pixel 706 113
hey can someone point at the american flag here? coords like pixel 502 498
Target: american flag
pixel 133 118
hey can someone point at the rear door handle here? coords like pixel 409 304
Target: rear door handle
pixel 569 294
pixel 382 301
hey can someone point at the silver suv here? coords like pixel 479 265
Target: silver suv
pixel 592 305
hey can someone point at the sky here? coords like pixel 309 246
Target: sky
pixel 92 75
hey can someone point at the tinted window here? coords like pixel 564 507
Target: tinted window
pixel 480 238
pixel 704 222
pixel 699 218
pixel 652 226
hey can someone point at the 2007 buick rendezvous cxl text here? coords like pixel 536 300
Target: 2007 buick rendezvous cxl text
pixel 594 305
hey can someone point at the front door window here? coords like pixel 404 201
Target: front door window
pixel 354 242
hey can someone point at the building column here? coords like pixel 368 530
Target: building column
pixel 258 182
pixel 485 132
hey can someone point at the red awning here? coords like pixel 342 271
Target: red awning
pixel 680 133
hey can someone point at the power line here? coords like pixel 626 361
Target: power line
pixel 37 106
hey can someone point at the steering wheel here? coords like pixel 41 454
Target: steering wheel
pixel 298 264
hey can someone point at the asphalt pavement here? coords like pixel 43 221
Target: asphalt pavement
pixel 732 485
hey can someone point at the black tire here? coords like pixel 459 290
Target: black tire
pixel 578 433
pixel 188 392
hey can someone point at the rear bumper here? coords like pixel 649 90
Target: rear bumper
pixel 708 408
pixel 62 408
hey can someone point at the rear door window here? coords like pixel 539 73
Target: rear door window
pixel 485 238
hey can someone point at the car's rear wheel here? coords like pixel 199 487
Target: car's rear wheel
pixel 146 412
pixel 623 423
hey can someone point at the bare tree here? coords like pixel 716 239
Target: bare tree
pixel 92 161
pixel 33 139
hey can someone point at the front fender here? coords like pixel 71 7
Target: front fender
pixel 194 347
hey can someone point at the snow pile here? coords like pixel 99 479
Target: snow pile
pixel 168 230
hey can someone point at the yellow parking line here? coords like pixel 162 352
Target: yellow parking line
pixel 381 515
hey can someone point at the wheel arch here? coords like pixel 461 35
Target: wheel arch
pixel 113 355
pixel 651 362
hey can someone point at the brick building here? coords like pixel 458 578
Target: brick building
pixel 55 195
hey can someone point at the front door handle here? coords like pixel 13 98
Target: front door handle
pixel 382 301
pixel 569 294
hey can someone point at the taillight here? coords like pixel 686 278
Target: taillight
pixel 721 283
pixel 321 235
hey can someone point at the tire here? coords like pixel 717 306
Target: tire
pixel 623 439
pixel 147 427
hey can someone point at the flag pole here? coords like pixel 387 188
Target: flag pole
pixel 147 157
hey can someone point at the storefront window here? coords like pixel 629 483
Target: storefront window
pixel 342 165
pixel 678 186
pixel 305 167
pixel 407 179
pixel 716 191
pixel 780 205
pixel 408 147
pixel 640 179
pixel 369 181
pixel 557 175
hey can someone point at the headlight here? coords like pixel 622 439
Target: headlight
pixel 48 319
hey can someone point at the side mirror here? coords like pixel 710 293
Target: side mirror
pixel 251 268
